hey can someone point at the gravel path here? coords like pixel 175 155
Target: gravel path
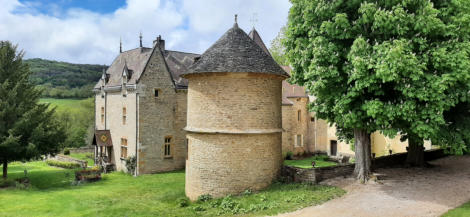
pixel 412 192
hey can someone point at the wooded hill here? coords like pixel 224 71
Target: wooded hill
pixel 64 80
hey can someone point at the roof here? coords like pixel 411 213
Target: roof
pixel 137 58
pixel 291 90
pixel 236 52
pixel 102 138
pixel 257 39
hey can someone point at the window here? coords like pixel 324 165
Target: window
pixel 298 115
pixel 102 115
pixel 299 140
pixel 167 147
pixel 312 119
pixel 156 93
pixel 124 115
pixel 123 147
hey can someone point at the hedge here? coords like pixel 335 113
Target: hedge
pixel 67 165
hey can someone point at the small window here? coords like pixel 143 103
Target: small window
pixel 124 115
pixel 312 119
pixel 167 147
pixel 156 93
pixel 102 115
pixel 299 140
pixel 298 115
pixel 123 148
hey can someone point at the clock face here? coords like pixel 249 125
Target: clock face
pixel 104 138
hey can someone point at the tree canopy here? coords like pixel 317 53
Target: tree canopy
pixel 393 66
pixel 27 128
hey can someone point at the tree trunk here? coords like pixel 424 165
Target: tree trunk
pixel 5 169
pixel 415 155
pixel 363 155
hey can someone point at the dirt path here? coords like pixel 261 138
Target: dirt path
pixel 401 192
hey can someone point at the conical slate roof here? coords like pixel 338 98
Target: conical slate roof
pixel 235 51
pixel 257 39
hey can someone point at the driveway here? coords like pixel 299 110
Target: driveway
pixel 412 192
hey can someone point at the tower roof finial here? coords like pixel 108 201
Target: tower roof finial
pixel 140 37
pixel 120 45
pixel 236 21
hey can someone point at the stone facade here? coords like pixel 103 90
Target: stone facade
pixel 234 136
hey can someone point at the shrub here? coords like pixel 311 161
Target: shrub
pixel 289 155
pixel 204 198
pixel 247 192
pixel 66 151
pixel 7 183
pixel 183 202
pixel 131 163
pixel 228 205
pixel 67 165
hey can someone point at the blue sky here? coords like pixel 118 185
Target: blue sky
pixel 87 31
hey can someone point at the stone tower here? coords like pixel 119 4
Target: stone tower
pixel 233 118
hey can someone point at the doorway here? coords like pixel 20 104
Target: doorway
pixel 333 147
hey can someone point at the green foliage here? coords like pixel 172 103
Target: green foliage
pixel 393 66
pixel 454 136
pixel 289 155
pixel 247 192
pixel 28 129
pixel 131 164
pixel 66 151
pixel 64 80
pixel 88 157
pixel 51 194
pixel 68 165
pixel 278 50
pixel 183 202
pixel 76 117
pixel 204 198
pixel 320 161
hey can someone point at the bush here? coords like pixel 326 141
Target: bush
pixel 67 165
pixel 7 183
pixel 289 155
pixel 131 163
pixel 66 151
pixel 183 202
pixel 204 198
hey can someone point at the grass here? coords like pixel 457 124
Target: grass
pixel 460 211
pixel 118 194
pixel 88 157
pixel 70 105
pixel 320 161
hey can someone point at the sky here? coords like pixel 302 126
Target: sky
pixel 89 31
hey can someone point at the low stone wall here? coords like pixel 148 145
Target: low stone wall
pixel 315 175
pixel 64 158
pixel 86 149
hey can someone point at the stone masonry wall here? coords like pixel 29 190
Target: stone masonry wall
pixel 160 117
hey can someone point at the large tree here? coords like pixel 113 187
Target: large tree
pixel 389 66
pixel 27 128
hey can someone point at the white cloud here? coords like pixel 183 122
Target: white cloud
pixel 82 36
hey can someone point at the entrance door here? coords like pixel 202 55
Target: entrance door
pixel 333 147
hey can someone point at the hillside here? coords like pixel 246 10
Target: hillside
pixel 64 80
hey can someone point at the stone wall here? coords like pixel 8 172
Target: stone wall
pixel 86 149
pixel 160 117
pixel 234 132
pixel 315 175
pixel 64 158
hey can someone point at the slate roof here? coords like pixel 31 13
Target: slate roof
pixel 136 59
pixel 235 52
pixel 257 39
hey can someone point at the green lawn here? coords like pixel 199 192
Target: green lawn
pixel 320 161
pixel 460 211
pixel 118 194
pixel 84 156
pixel 71 105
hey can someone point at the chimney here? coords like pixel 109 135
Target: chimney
pixel 159 42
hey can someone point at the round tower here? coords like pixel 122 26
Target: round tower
pixel 233 118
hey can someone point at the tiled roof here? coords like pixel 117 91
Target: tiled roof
pixel 136 59
pixel 257 39
pixel 291 90
pixel 235 52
